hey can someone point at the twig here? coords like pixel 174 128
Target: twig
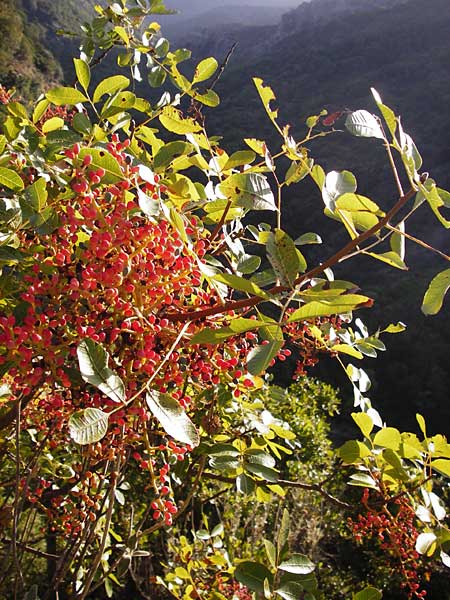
pixel 314 487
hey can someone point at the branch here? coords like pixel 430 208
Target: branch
pixel 193 315
pixel 314 487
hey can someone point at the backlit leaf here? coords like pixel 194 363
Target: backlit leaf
pixel 93 363
pixel 434 296
pixel 341 304
pixel 10 179
pixel 173 121
pixel 363 124
pixel 284 257
pixel 110 86
pixel 172 417
pixel 205 69
pixel 88 426
pixel 65 95
pixel 297 564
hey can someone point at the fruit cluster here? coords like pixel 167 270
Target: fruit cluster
pixel 392 525
pixel 109 273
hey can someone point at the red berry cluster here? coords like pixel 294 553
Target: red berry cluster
pixel 306 344
pixel 392 525
pixel 232 589
pixel 5 95
pixel 109 273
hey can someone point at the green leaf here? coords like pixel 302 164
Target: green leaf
pixel 267 95
pixel 216 336
pixel 356 203
pixel 291 590
pixel 252 575
pixel 10 255
pixel 83 72
pixel 323 308
pixel 65 95
pixel 88 426
pixel 442 466
pixel 249 190
pixel 172 418
pixel 388 437
pixel 352 451
pixel 283 533
pixel 248 264
pixel 271 553
pixel 173 120
pixel 93 363
pixel 297 564
pixel 245 484
pixel 368 593
pixel 52 124
pixel 395 328
pixel 156 76
pixel 429 191
pixel 169 152
pixel 260 357
pixel 257 146
pixel 205 69
pixel 102 159
pixel 363 480
pixel 422 424
pixel 82 124
pixel 308 238
pixel 208 98
pixel 390 258
pixel 434 296
pixel 364 422
pixel 10 179
pixel 363 124
pixel 36 195
pixel 337 184
pixel 388 114
pixel 110 86
pixel 284 257
pixel 241 284
pixel 266 473
pixel 238 159
pixel 298 171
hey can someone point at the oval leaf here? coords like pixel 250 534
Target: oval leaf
pixel 363 124
pixel 65 95
pixel 172 418
pixel 368 593
pixel 10 179
pixel 110 86
pixel 298 564
pixel 93 362
pixel 88 426
pixel 284 257
pixel 252 575
pixel 434 296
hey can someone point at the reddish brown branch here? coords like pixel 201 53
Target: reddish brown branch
pixel 278 289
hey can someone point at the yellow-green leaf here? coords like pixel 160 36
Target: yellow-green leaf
pixel 83 72
pixel 205 69
pixel 434 296
pixel 173 120
pixel 110 86
pixel 325 308
pixel 65 95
